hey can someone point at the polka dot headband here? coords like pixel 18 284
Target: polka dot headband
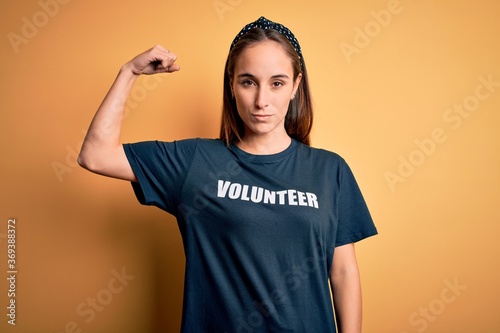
pixel 265 24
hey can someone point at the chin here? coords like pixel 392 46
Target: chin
pixel 260 130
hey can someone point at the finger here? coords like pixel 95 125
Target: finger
pixel 168 63
pixel 158 49
pixel 173 68
pixel 168 59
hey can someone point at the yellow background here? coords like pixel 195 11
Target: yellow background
pixel 438 222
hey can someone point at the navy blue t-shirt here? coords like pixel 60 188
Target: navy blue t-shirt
pixel 259 231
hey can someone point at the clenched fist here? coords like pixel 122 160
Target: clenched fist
pixel 153 61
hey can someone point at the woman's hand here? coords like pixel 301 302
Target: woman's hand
pixel 153 61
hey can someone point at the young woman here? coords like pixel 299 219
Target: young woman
pixel 268 223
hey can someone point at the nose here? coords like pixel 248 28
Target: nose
pixel 261 100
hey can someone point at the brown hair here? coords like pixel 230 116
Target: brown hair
pixel 299 118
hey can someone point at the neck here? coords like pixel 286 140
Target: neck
pixel 264 145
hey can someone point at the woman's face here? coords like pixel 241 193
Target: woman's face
pixel 263 87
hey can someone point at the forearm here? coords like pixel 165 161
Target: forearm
pixel 105 129
pixel 346 289
pixel 347 301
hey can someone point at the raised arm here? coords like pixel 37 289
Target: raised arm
pixel 102 152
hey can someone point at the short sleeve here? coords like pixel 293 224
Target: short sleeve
pixel 354 220
pixel 161 169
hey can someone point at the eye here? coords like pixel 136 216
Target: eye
pixel 247 83
pixel 277 84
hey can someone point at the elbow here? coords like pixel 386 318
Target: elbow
pixel 83 161
pixel 86 161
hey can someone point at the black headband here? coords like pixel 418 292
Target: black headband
pixel 265 24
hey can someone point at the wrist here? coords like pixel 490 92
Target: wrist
pixel 127 70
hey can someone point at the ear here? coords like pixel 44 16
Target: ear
pixel 296 85
pixel 231 87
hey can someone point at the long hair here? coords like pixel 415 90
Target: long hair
pixel 299 117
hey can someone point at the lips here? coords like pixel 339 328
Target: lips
pixel 261 116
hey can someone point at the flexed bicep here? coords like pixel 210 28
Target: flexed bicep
pixel 102 151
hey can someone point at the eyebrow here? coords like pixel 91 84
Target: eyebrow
pixel 277 76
